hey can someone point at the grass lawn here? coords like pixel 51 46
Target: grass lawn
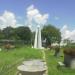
pixel 52 65
pixel 9 60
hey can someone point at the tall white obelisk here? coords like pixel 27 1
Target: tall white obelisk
pixel 37 41
pixel 39 38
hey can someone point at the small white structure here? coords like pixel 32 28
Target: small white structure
pixel 32 67
pixel 54 44
pixel 0 49
pixel 38 41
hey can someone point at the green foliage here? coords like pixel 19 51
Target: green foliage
pixel 24 33
pixel 70 49
pixel 1 34
pixel 67 41
pixel 51 33
pixel 9 33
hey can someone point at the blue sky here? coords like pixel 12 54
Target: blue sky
pixel 60 12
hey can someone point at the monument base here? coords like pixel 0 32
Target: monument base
pixel 32 67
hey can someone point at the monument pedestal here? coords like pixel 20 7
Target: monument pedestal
pixel 32 67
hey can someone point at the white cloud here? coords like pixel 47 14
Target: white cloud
pixel 31 13
pixel 7 19
pixel 67 34
pixel 34 14
pixel 33 17
pixel 41 19
pixel 31 7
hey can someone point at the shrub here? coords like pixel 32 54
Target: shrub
pixel 9 46
pixel 70 49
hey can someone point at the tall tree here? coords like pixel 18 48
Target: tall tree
pixel 24 33
pixel 1 35
pixel 9 33
pixel 51 34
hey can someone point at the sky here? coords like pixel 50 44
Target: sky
pixel 60 13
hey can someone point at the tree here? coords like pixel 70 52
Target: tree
pixel 51 34
pixel 24 33
pixel 68 41
pixel 9 33
pixel 1 35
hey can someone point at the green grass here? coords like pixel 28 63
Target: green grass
pixel 52 65
pixel 9 60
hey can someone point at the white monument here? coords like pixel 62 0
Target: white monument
pixel 38 41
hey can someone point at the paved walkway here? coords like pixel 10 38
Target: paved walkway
pixel 44 58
